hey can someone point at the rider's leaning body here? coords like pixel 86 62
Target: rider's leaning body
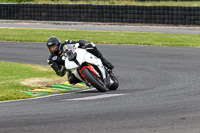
pixel 56 49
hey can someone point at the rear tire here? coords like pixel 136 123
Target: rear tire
pixel 95 81
pixel 115 85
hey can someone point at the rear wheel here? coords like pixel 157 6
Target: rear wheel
pixel 94 80
pixel 115 85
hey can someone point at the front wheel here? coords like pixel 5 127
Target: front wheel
pixel 95 81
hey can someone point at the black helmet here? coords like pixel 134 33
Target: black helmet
pixel 53 44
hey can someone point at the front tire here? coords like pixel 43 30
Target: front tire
pixel 95 81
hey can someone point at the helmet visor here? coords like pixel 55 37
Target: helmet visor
pixel 53 48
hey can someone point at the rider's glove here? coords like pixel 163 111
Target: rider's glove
pixel 65 48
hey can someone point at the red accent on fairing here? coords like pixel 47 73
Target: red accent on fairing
pixel 91 69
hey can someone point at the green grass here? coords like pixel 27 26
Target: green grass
pixel 13 73
pixel 120 2
pixel 105 37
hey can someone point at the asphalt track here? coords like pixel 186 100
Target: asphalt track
pixel 159 93
pixel 101 26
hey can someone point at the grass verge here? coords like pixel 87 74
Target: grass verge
pixel 126 2
pixel 17 76
pixel 105 37
pixel 119 2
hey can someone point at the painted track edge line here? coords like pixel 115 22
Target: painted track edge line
pixel 101 96
pixel 46 96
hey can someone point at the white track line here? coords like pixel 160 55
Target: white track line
pixel 97 97
pixel 46 96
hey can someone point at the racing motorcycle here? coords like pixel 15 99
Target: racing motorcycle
pixel 89 69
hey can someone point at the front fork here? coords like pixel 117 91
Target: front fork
pixel 91 69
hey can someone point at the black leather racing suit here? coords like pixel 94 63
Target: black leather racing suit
pixel 56 62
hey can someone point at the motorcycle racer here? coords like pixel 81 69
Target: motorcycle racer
pixel 56 48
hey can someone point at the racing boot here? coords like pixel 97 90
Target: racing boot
pixel 106 63
pixel 72 79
